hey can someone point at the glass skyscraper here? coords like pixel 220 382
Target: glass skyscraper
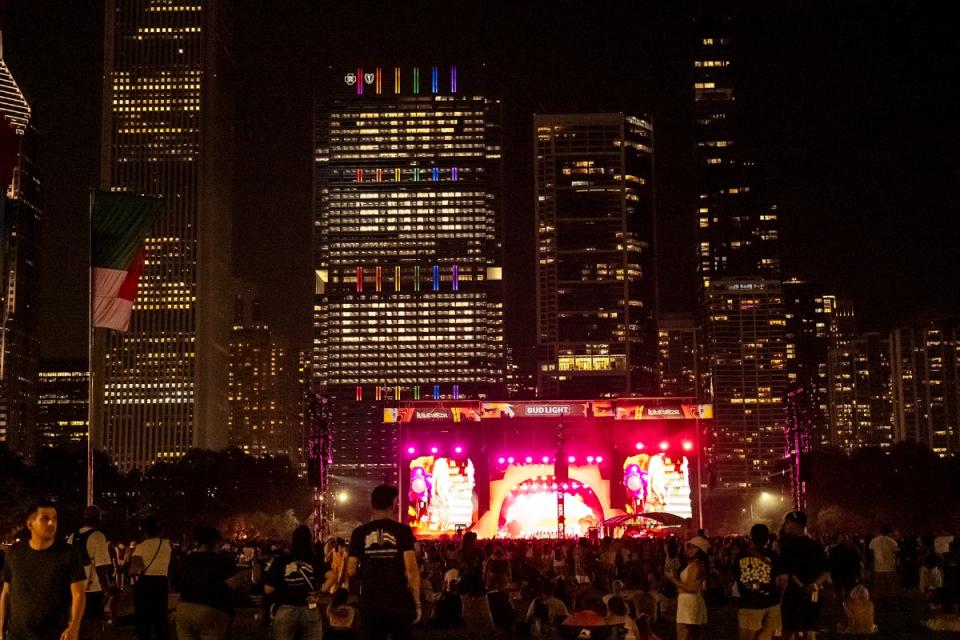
pixel 407 250
pixel 166 123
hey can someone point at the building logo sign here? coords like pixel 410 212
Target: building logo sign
pixel 368 78
pixel 350 79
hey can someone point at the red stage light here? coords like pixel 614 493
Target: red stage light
pixel 572 459
pixel 599 459
pixel 458 450
pixel 433 449
pixel 687 445
pixel 545 459
pixel 664 445
pixel 640 446
pixel 528 459
pixel 411 450
pixel 501 460
pixel 590 459
pixel 510 459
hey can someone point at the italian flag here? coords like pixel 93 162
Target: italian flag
pixel 119 222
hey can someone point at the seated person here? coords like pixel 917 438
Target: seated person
pixel 859 611
pixel 617 617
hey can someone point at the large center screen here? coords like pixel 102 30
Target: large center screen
pixel 442 496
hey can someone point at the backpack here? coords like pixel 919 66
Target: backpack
pixel 79 542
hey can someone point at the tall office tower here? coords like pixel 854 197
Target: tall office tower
pixel 596 287
pixel 809 315
pixel 407 248
pixel 20 212
pixel 166 132
pixel 841 376
pixel 874 399
pixel 263 386
pixel 739 272
pixel 747 358
pixel 680 352
pixel 925 372
pixel 62 402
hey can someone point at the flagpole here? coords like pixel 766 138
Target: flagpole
pixel 90 353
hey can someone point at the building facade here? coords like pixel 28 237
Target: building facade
pixel 747 358
pixel 62 402
pixel 596 280
pixel 408 269
pixel 20 213
pixel 925 373
pixel 165 131
pixel 680 353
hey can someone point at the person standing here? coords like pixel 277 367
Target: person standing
pixel 205 610
pixel 292 581
pixel 95 555
pixel 151 564
pixel 883 557
pixel 691 607
pixel 44 584
pixel 760 584
pixel 381 553
pixel 805 564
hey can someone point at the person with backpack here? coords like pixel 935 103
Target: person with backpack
pixel 151 564
pixel 293 582
pixel 91 544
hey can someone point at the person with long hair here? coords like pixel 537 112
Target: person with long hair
pixel 691 607
pixel 151 563
pixel 292 580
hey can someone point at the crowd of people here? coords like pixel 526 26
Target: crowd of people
pixel 383 581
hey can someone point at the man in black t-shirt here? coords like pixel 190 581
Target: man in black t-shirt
pixel 761 585
pixel 805 564
pixel 382 554
pixel 43 583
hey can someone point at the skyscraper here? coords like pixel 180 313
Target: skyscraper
pixel 166 132
pixel 680 356
pixel 925 372
pixel 747 360
pixel 739 271
pixel 596 287
pixel 407 249
pixel 62 402
pixel 20 213
pixel 263 387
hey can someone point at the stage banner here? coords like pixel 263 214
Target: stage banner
pixel 534 409
pixel 430 414
pixel 636 411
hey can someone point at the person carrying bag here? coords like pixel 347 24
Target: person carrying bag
pixel 151 564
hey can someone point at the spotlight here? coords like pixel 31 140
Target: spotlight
pixel 687 445
pixel 599 459
pixel 528 459
pixel 589 459
pixel 458 449
pixel 433 449
pixel 510 460
pixel 501 460
pixel 545 459
pixel 411 450
pixel 572 459
pixel 640 446
pixel 664 445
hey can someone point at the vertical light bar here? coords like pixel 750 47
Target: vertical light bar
pixel 396 393
pixel 396 175
pixel 396 278
pixel 416 392
pixel 359 393
pixel 456 277
pixel 436 392
pixel 435 78
pixel 453 174
pixel 379 175
pixel 416 278
pixel 456 392
pixel 359 279
pixel 416 174
pixel 453 79
pixel 416 80
pixel 396 80
pixel 436 277
pixel 359 81
pixel 436 174
pixel 378 83
pixel 379 392
pixel 359 175
pixel 379 278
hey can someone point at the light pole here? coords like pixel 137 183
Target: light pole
pixel 342 498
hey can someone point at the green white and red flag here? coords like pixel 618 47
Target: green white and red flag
pixel 119 223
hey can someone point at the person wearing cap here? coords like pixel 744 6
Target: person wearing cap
pixel 804 562
pixel 382 554
pixel 95 553
pixel 691 607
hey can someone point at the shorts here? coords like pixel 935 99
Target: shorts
pixel 760 619
pixel 798 613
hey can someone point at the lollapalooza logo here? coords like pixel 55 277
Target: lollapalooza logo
pixel 351 78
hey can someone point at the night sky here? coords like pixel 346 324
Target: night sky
pixel 852 108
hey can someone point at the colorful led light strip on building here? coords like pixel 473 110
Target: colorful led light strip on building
pixel 435 73
pixel 436 174
pixel 379 175
pixel 396 175
pixel 416 80
pixel 359 175
pixel 359 279
pixel 416 392
pixel 379 392
pixel 359 393
pixel 453 174
pixel 453 79
pixel 377 81
pixel 456 277
pixel 396 278
pixel 396 80
pixel 416 174
pixel 359 81
pixel 436 277
pixel 436 392
pixel 379 278
pixel 456 392
pixel 416 278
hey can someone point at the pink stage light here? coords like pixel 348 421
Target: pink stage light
pixel 599 459
pixel 640 446
pixel 510 460
pixel 545 459
pixel 433 449
pixel 458 450
pixel 687 445
pixel 590 459
pixel 528 459
pixel 664 445
pixel 501 460
pixel 411 450
pixel 572 459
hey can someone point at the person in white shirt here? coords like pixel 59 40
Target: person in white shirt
pixel 150 566
pixel 883 551
pixel 941 544
pixel 96 557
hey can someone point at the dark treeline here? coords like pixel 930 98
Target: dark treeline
pixel 241 494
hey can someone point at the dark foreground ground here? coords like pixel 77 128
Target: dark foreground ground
pixel 897 620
